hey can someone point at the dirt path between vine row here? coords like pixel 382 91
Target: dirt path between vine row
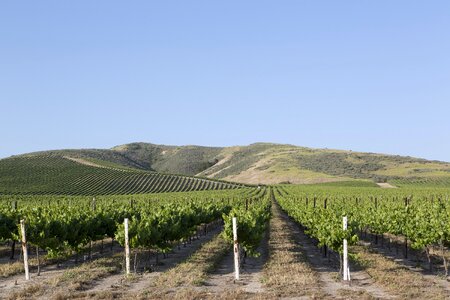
pixel 222 279
pixel 117 283
pixel 325 270
pixel 103 274
pixel 417 270
pixel 290 267
pixel 17 283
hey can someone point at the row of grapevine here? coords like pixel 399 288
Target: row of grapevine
pixel 436 182
pixel 62 176
pixel 421 218
pixel 252 220
pixel 64 225
pixel 321 219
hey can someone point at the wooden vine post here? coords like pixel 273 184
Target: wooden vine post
pixel 93 207
pixel 325 246
pixel 13 244
pixel 24 250
pixel 127 248
pixel 346 270
pixel 406 237
pixel 235 249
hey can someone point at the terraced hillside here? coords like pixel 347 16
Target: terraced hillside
pixel 56 174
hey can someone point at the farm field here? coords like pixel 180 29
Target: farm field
pixel 181 244
pixel 64 175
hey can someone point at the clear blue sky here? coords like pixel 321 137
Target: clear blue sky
pixel 361 75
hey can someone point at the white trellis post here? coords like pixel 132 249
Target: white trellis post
pixel 24 250
pixel 346 271
pixel 127 247
pixel 235 249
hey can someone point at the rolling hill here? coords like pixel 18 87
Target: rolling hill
pixel 53 173
pixel 267 163
pixel 259 163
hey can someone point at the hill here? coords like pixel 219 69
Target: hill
pixel 263 163
pixel 54 173
pixel 187 160
pixel 267 163
pixel 272 163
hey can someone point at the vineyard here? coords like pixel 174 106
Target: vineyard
pixel 419 218
pixel 290 241
pixel 65 225
pixel 434 182
pixel 58 175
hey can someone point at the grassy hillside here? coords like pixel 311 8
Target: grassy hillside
pixel 104 157
pixel 272 163
pixel 187 160
pixel 265 163
pixel 60 174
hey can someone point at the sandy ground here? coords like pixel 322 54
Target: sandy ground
pixel 385 185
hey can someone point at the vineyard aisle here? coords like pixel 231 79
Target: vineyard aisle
pixel 221 280
pixel 66 275
pixel 296 267
pixel 117 284
pixel 392 273
pixel 102 277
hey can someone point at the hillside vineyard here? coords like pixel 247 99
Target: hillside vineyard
pixel 61 176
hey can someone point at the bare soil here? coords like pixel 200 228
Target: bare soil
pixel 222 279
pixel 385 185
pixel 287 272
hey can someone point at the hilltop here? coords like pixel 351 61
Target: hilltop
pixel 261 163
